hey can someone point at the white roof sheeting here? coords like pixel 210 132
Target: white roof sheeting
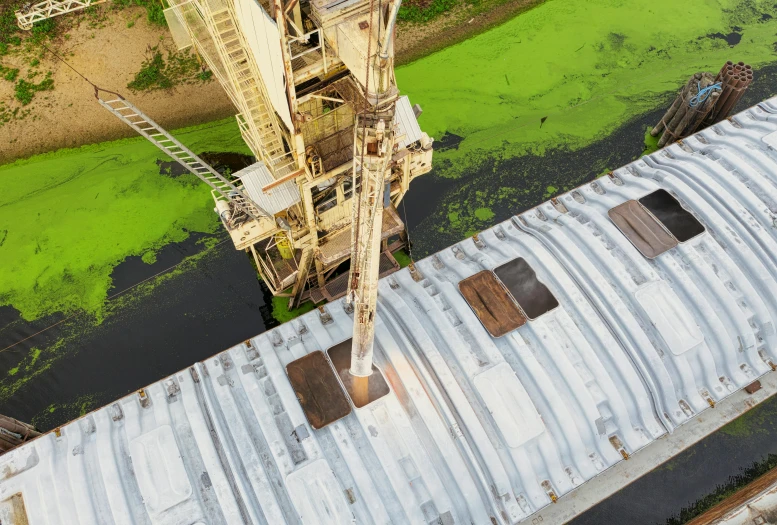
pixel 409 130
pixel 257 176
pixel 475 429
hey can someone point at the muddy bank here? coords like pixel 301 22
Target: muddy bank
pixel 415 40
pixel 108 47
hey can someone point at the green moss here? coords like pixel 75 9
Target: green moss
pixel 752 421
pixel 281 312
pixel 73 215
pixel 154 9
pixel 651 142
pixel 467 213
pixel 13 371
pixel 423 11
pixel 83 325
pixel 151 75
pixel 484 214
pixel 79 407
pixel 9 74
pixel 402 258
pixel 149 257
pixel 24 91
pixel 586 66
pixel 34 355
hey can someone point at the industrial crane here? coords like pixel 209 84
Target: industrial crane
pixel 335 143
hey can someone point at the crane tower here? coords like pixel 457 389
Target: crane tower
pixel 304 76
pixel 336 145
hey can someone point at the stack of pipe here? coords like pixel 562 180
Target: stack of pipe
pixel 13 433
pixel 692 105
pixel 735 79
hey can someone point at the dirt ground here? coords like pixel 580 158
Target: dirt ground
pixel 109 56
pixel 415 40
pixel 110 53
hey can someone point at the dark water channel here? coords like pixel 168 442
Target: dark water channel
pixel 219 303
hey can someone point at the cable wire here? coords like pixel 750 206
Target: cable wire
pixel 703 94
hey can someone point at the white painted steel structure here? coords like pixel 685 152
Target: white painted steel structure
pixel 475 429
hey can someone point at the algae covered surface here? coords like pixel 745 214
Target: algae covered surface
pixel 567 73
pixel 68 218
pixel 541 104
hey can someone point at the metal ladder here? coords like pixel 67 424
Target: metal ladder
pixel 156 134
pixel 29 14
pixel 257 110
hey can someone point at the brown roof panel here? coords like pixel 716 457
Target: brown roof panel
pixel 375 386
pixel 317 389
pixel 491 303
pixel 640 227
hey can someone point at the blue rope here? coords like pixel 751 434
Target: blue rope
pixel 700 97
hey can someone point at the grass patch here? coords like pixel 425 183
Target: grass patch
pixel 43 30
pixel 158 72
pixel 154 10
pixel 8 27
pixel 9 74
pixel 426 10
pixel 25 91
pixel 152 74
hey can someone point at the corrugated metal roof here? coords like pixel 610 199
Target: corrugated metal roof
pixel 409 130
pixel 257 176
pixel 475 429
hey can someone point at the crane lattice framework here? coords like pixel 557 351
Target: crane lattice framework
pixel 305 76
pixel 336 145
pixel 31 13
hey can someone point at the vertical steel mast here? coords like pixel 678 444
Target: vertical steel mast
pixel 373 149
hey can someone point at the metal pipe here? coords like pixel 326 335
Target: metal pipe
pixel 735 93
pixel 389 29
pixel 290 6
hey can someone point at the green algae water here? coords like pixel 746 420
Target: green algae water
pixel 68 218
pixel 586 67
